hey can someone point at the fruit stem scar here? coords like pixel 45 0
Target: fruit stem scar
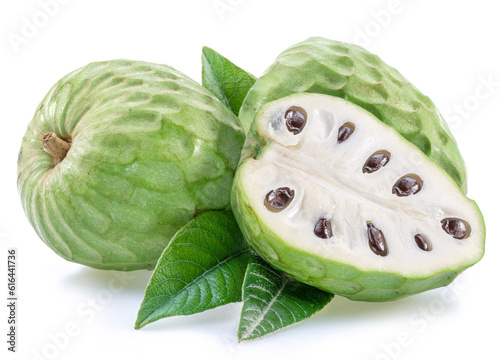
pixel 55 147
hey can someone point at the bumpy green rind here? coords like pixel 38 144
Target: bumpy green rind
pixel 326 274
pixel 348 71
pixel 150 149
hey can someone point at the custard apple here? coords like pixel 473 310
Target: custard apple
pixel 354 183
pixel 119 156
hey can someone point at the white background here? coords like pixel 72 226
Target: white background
pixel 448 49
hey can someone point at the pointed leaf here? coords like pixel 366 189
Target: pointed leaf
pixel 228 82
pixel 273 300
pixel 203 267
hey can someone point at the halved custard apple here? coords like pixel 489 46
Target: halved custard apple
pixel 341 201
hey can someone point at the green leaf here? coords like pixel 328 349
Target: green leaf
pixel 273 300
pixel 228 82
pixel 203 267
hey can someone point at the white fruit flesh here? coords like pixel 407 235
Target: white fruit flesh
pixel 328 182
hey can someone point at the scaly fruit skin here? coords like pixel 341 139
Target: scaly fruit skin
pixel 348 71
pixel 322 272
pixel 150 149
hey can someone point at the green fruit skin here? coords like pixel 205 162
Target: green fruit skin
pixel 150 150
pixel 323 66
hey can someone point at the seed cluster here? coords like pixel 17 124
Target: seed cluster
pixel 409 184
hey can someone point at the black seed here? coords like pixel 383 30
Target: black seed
pixel 407 185
pixel 345 131
pixel 279 199
pixel 376 240
pixel 295 119
pixel 422 242
pixel 457 228
pixel 375 162
pixel 323 228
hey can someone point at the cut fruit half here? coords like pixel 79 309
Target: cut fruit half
pixel 339 200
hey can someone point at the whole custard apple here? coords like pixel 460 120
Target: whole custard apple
pixel 359 189
pixel 119 156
